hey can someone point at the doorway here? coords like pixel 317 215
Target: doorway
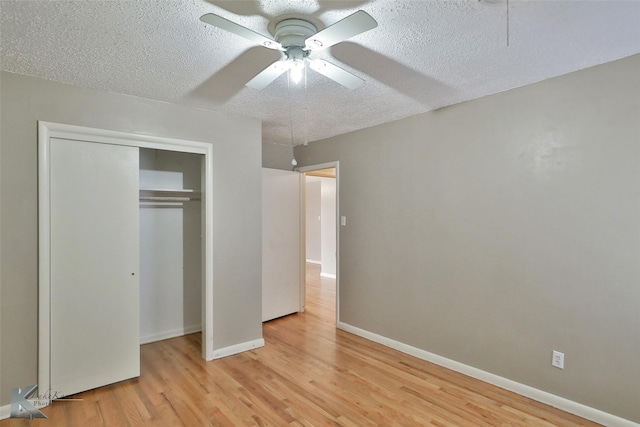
pixel 96 137
pixel 321 249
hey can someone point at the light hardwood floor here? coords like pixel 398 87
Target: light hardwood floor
pixel 308 374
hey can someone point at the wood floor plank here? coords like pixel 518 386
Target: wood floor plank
pixel 308 374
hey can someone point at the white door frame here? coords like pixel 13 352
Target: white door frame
pixel 48 130
pixel 303 227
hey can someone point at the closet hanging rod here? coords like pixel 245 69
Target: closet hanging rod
pixel 169 195
pixel 165 199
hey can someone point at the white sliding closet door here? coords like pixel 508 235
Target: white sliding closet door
pixel 94 265
pixel 281 276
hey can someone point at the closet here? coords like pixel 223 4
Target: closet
pixel 170 244
pixel 124 229
pixel 121 250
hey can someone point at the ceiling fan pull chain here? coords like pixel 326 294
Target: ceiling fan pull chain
pixel 290 108
pixel 306 107
pixel 507 23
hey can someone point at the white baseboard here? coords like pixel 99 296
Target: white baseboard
pixel 237 348
pixel 330 276
pixel 170 334
pixel 5 412
pixel 312 261
pixel 524 390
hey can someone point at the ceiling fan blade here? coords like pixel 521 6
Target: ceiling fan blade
pixel 352 25
pixel 232 27
pixel 335 73
pixel 268 75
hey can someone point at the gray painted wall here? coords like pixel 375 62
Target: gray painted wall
pixel 277 156
pixel 495 231
pixel 237 205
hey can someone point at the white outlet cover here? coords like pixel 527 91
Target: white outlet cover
pixel 557 359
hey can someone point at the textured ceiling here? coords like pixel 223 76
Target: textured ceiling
pixel 423 55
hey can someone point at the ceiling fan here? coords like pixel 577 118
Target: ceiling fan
pixel 297 39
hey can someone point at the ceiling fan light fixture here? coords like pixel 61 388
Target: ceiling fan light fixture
pixel 296 70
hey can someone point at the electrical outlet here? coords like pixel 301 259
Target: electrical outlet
pixel 557 359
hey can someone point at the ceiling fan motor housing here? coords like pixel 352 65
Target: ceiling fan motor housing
pixel 294 32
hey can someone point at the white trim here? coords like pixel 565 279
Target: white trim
pixel 312 261
pixel 303 220
pixel 2 408
pixel 302 248
pixel 238 348
pixel 48 130
pixel 44 257
pixel 327 165
pixel 329 275
pixel 5 412
pixel 524 390
pixel 206 171
pixel 164 335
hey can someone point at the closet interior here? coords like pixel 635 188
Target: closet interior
pixel 170 244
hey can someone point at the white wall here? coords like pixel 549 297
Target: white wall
pixel 328 226
pixel 313 234
pixel 321 234
pixel 497 230
pixel 170 248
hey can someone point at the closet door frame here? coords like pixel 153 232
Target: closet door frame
pixel 48 130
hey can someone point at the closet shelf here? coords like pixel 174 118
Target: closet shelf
pixel 161 195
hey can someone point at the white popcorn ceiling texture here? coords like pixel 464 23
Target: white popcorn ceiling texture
pixel 422 56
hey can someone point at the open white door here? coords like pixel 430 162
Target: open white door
pixel 281 250
pixel 94 265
